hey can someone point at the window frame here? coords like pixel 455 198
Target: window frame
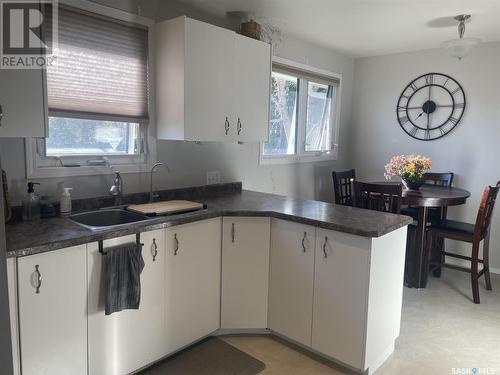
pixel 36 161
pixel 302 156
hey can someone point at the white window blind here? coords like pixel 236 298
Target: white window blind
pixel 309 76
pixel 100 70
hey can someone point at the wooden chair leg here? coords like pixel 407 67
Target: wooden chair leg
pixel 486 261
pixel 474 273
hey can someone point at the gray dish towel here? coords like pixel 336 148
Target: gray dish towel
pixel 123 266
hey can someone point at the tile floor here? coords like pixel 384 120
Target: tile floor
pixel 441 329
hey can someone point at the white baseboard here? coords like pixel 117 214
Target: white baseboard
pixel 242 331
pixel 316 354
pixel 379 361
pixel 495 270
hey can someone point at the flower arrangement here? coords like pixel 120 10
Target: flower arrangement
pixel 410 168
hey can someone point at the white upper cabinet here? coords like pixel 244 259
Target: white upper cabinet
pixel 245 272
pixel 291 280
pixel 251 90
pixel 212 84
pixel 23 105
pixel 125 341
pixel 53 312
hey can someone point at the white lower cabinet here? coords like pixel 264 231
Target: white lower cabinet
pixel 127 340
pixel 245 272
pixel 291 280
pixel 340 295
pixel 358 290
pixel 335 293
pixel 53 312
pixel 192 296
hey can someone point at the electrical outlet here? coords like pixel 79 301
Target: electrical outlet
pixel 213 177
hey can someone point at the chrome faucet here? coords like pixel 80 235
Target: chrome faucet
pixel 116 189
pixel 153 195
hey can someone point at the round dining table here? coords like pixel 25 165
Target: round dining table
pixel 425 197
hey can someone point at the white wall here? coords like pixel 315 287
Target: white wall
pixel 470 150
pixel 190 162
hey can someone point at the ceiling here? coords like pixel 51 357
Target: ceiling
pixel 362 28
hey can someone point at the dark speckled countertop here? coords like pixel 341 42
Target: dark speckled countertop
pixel 51 234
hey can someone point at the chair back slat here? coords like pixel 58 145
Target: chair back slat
pixel 378 197
pixel 342 186
pixel 440 179
pixel 484 214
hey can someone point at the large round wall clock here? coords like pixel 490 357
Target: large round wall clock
pixel 431 106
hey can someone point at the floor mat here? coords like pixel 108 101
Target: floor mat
pixel 209 357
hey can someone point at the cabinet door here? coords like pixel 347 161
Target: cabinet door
pixel 130 339
pixel 193 282
pixel 53 321
pixel 340 296
pixel 252 83
pixel 291 280
pixel 209 59
pixel 245 272
pixel 22 96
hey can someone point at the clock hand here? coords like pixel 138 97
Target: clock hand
pixel 420 115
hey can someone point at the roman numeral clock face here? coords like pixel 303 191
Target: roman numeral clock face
pixel 431 106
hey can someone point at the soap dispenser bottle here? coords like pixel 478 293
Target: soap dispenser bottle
pixel 65 205
pixel 31 204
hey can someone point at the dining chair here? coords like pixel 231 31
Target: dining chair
pixel 378 197
pixel 342 186
pixel 471 233
pixel 441 179
pixel 438 179
pixel 434 213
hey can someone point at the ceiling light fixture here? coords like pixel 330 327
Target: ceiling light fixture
pixel 462 46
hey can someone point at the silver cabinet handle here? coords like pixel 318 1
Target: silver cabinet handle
pixel 232 232
pixel 38 279
pixel 324 248
pixel 1 114
pixel 154 246
pixel 239 126
pixel 176 248
pixel 303 242
pixel 226 125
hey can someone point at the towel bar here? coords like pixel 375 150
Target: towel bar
pixel 137 240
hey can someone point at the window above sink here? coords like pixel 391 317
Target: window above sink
pixel 98 96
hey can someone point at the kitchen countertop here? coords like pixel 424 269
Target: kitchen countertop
pixel 27 238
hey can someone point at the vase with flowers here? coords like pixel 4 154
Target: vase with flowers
pixel 410 168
